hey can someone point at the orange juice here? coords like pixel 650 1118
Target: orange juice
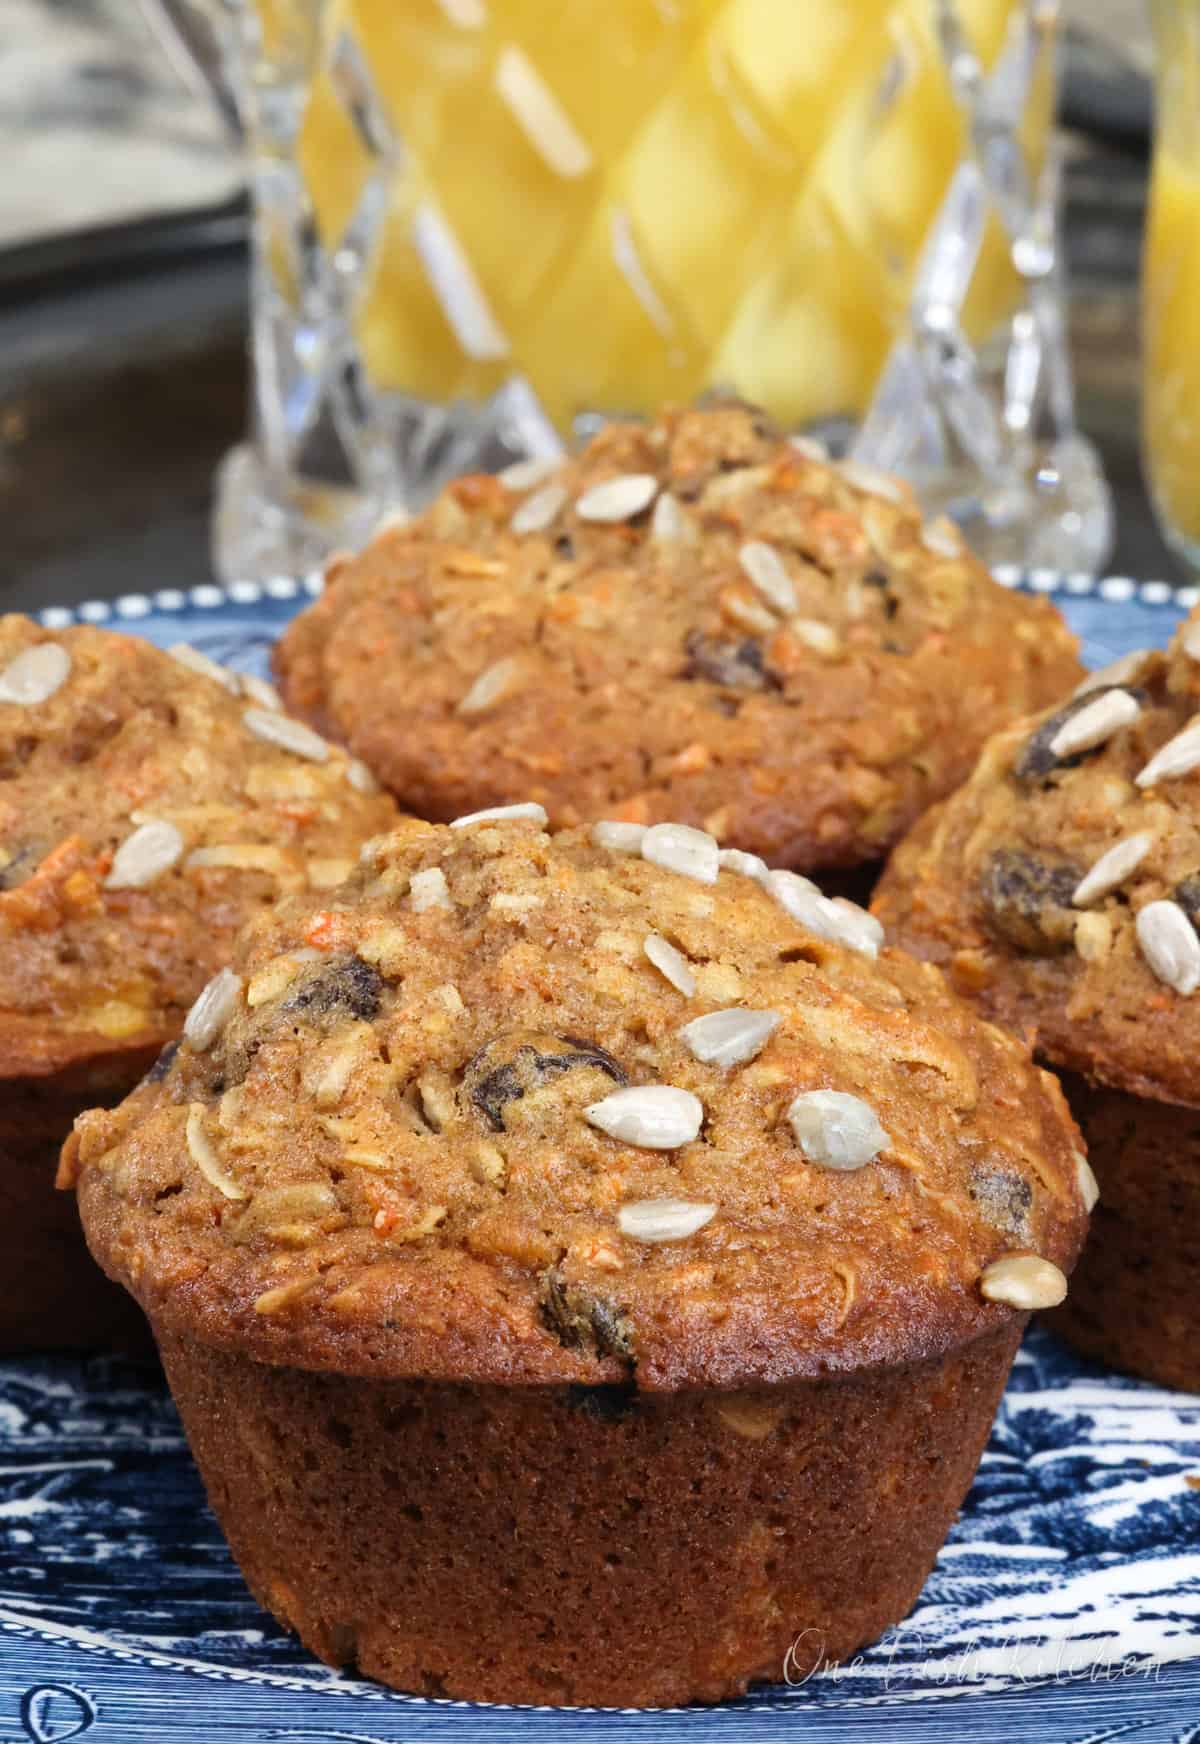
pixel 1171 283
pixel 631 202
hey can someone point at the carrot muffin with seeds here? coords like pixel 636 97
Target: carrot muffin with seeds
pixel 1060 889
pixel 694 620
pixel 586 1265
pixel 150 803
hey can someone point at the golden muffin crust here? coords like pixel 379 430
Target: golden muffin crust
pixel 991 883
pixel 417 1134
pixel 693 620
pixel 143 817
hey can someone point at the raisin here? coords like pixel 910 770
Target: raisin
pixel 343 983
pixel 18 869
pixel 606 1404
pixel 522 1061
pixel 739 665
pixel 1037 760
pixel 1187 894
pixel 162 1065
pixel 580 1320
pixel 1003 1197
pixel 1028 903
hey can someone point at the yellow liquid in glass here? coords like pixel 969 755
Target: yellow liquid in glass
pixel 645 199
pixel 1171 407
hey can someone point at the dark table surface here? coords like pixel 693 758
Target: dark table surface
pixel 123 381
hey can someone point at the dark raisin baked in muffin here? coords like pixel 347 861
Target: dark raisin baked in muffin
pixel 1060 889
pixel 693 620
pixel 149 805
pixel 595 1269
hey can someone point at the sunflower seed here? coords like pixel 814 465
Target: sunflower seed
pixel 729 1038
pixel 656 1117
pixel 942 537
pixel 1120 671
pixel 872 481
pixel 617 837
pixel 195 661
pixel 816 635
pixel 492 683
pixel 35 674
pixel 1169 944
pixel 1096 723
pixel 536 513
pixel 1113 867
pixel 429 889
pixel 212 1011
pixel 832 918
pixel 618 499
pixel 288 734
pixel 1085 1180
pixel 1179 756
pixel 360 777
pixel 1023 1281
pixel 836 1129
pixel 764 567
pixel 260 692
pixel 144 856
pixel 200 1149
pixel 664 1219
pixel 503 814
pixel 668 524
pixel 670 963
pixel 680 848
pixel 810 448
pixel 523 475
pixel 745 865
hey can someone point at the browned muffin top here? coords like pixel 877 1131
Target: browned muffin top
pixel 148 806
pixel 693 620
pixel 519 1107
pixel 1061 887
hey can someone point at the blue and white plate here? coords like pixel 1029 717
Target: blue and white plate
pixel 1065 1607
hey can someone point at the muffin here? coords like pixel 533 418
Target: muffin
pixel 694 620
pixel 591 1274
pixel 1060 889
pixel 149 805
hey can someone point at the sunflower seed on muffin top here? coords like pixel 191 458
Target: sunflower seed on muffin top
pixel 710 625
pixel 143 822
pixel 992 884
pixel 417 1132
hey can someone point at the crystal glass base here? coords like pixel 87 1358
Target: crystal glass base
pixel 1056 515
pixel 455 227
